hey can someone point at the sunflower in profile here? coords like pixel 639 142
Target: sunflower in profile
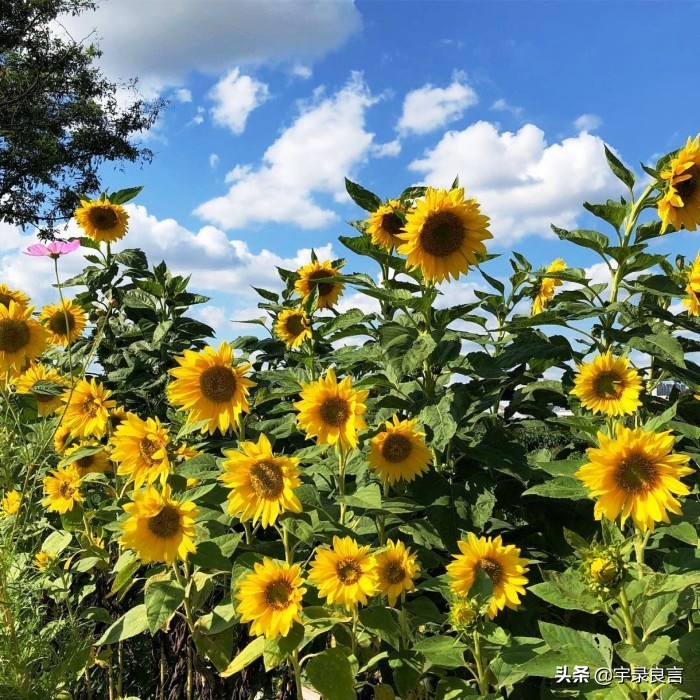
pixel 346 574
pixel 545 287
pixel 43 560
pixel 101 220
pixel 22 339
pixel 501 562
pixel 328 292
pixel 331 412
pixel 140 448
pixel 159 528
pixel 65 321
pixel 635 475
pixel 270 598
pixel 399 452
pixel 397 569
pixel 607 384
pixel 62 439
pixel 10 503
pixel 87 410
pixel 7 295
pixel 95 463
pixel 185 452
pixel 210 387
pixel 680 205
pixel 693 288
pixel 384 225
pixel 444 233
pixel 62 489
pixel 25 383
pixel 293 327
pixel 262 485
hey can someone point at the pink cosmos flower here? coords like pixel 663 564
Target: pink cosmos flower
pixel 54 249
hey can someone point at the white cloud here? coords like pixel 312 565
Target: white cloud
pixel 298 70
pixel 387 150
pixel 213 160
pixel 183 95
pixel 327 141
pixel 587 122
pixel 522 183
pixel 502 105
pixel 235 97
pixel 198 117
pixel 429 107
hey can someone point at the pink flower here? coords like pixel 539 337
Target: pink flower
pixel 54 249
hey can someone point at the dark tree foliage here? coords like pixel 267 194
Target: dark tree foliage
pixel 60 118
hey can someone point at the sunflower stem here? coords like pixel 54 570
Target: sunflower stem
pixel 627 617
pixel 355 619
pixel 288 551
pixel 342 459
pixel 248 533
pixel 296 668
pixel 640 543
pixel 480 670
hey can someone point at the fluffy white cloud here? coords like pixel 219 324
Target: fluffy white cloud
pixel 235 97
pixel 502 105
pixel 183 95
pixel 299 70
pixel 587 122
pixel 430 107
pixel 522 182
pixel 387 150
pixel 311 157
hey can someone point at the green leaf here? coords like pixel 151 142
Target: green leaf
pixel 420 351
pixel 132 623
pixel 382 622
pixel 660 421
pixel 278 649
pixel 163 598
pixel 644 654
pixel 406 668
pixel 559 487
pixel 585 238
pixel 596 649
pixel 251 653
pixel 565 590
pixel 125 195
pixel 331 674
pixel 362 197
pixel 620 170
pixel 216 647
pixel 662 345
pixel 439 419
pixel 56 542
pixel 454 689
pixel 220 618
pixel 128 564
pixel 663 610
pixel 613 212
pixel 443 651
pixel 368 497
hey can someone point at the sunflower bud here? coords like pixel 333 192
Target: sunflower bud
pixel 603 569
pixel 464 614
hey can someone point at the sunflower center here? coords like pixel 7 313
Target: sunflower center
pixel 62 323
pixel 103 218
pixel 65 490
pixel 278 595
pixel 687 188
pixel 608 385
pixel 396 448
pixel 218 383
pixel 295 325
pixel 14 334
pixel 493 569
pixel 348 571
pixel 148 448
pixel 267 479
pixel 166 524
pixel 442 234
pixel 636 473
pixel 89 406
pixel 324 288
pixel 85 462
pixel 394 572
pixel 335 411
pixel 392 223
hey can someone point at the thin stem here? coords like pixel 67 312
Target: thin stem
pixel 296 668
pixel 627 617
pixel 480 670
pixel 342 459
pixel 640 543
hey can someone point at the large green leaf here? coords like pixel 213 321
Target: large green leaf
pixel 331 674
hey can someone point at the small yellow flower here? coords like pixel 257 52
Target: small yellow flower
pixel 464 614
pixel 101 220
pixel 62 489
pixel 399 452
pixel 43 560
pixel 293 327
pixel 65 321
pixel 185 452
pixel 546 286
pixel 397 570
pixel 10 503
pixel 384 225
pixel 328 292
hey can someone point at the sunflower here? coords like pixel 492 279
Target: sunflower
pixel 693 289
pixel 159 529
pixel 396 570
pixel 87 409
pixel 95 463
pixel 680 204
pixel 444 234
pixel 185 452
pixel 210 387
pixel 62 438
pixel 328 292
pixel 464 614
pixel 331 412
pixel 141 450
pixel 22 339
pixel 502 563
pixel 46 403
pixel 293 327
pixel 346 574
pixel 65 321
pixel 270 598
pixel 635 475
pixel 546 286
pixel 7 295
pixel 607 384
pixel 101 220
pixel 10 503
pixel 43 560
pixel 262 485
pixel 399 452
pixel 62 489
pixel 117 416
pixel 384 225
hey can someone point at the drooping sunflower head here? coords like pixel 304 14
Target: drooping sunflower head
pixel 62 489
pixel 7 295
pixel 502 563
pixel 693 288
pixel 545 286
pixel 88 409
pixel 159 528
pixel 635 475
pixel 94 462
pixel 331 411
pixel 328 291
pixel 140 448
pixel 385 224
pixel 10 503
pixel 397 569
pixel 399 452
pixel 270 598
pixel 607 384
pixel 293 327
pixel 444 234
pixel 26 382
pixel 65 321
pixel 101 220
pixel 210 387
pixel 22 339
pixel 680 204
pixel 262 485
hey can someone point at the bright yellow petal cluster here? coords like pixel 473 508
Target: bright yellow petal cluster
pixel 384 225
pixel 24 384
pixel 7 295
pixel 293 327
pixel 101 220
pixel 62 489
pixel 95 463
pixel 22 339
pixel 397 569
pixel 693 288
pixel 10 503
pixel 635 475
pixel 87 409
pixel 328 292
pixel 65 321
pixel 547 286
pixel 399 452
pixel 680 204
pixel 43 560
pixel 140 448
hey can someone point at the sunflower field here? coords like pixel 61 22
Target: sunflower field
pixel 490 499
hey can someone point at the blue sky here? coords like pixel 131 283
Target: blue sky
pixel 273 103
